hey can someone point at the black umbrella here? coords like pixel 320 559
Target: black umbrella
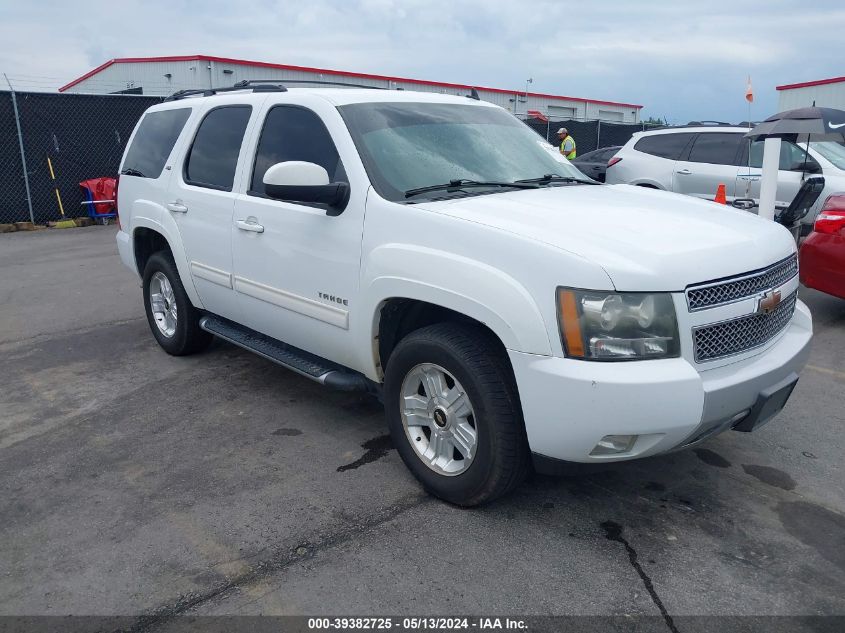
pixel 803 124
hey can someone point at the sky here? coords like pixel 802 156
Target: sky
pixel 680 60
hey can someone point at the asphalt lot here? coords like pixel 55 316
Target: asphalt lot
pixel 137 483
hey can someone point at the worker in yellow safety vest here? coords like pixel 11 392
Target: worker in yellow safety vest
pixel 567 143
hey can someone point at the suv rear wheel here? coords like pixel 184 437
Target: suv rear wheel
pixel 454 414
pixel 174 321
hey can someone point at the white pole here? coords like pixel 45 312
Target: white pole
pixel 769 178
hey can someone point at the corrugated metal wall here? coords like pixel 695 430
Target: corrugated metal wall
pixel 826 96
pixel 153 78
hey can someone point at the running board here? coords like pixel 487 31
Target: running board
pixel 309 365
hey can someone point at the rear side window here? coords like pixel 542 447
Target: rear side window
pixel 154 141
pixel 294 133
pixel 718 148
pixel 213 157
pixel 664 145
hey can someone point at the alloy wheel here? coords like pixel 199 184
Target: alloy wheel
pixel 439 419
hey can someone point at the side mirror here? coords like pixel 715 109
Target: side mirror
pixel 299 181
pixel 811 167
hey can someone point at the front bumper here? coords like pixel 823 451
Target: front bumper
pixel 569 405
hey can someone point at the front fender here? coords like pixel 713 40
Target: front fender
pixel 467 286
pixel 149 215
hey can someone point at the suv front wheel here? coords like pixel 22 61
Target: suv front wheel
pixel 174 321
pixel 454 415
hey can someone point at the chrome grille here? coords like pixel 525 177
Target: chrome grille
pixel 740 335
pixel 736 288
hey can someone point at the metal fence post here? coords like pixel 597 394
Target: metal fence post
pixel 23 154
pixel 598 134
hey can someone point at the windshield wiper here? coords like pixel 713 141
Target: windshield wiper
pixel 132 172
pixel 457 185
pixel 548 178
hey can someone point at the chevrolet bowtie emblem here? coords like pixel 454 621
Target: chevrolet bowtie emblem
pixel 768 302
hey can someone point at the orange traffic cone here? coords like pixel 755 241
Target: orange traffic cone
pixel 721 198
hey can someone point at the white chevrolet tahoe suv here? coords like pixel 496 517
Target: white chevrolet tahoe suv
pixel 434 251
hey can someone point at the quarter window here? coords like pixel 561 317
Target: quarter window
pixel 294 133
pixel 154 141
pixel 717 148
pixel 664 145
pixel 213 157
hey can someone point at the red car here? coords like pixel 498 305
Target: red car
pixel 823 252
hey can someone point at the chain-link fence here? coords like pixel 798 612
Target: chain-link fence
pixel 588 135
pixel 79 136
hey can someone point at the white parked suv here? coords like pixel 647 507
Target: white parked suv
pixel 696 160
pixel 432 250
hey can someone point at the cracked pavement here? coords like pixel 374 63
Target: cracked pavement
pixel 139 484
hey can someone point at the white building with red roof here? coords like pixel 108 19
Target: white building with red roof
pixel 162 76
pixel 825 93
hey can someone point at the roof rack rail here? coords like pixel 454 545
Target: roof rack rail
pixel 249 82
pixel 262 85
pixel 208 92
pixel 707 124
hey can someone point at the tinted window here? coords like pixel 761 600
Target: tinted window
pixel 664 145
pixel 214 153
pixel 716 148
pixel 154 141
pixel 594 156
pixel 790 154
pixel 292 133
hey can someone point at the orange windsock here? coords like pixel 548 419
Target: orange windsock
pixel 721 198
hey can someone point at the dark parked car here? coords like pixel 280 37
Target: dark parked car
pixel 594 164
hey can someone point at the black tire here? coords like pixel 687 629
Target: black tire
pixel 188 337
pixel 478 361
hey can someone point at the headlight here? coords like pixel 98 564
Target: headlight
pixel 598 325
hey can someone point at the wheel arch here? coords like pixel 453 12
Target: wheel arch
pixel 399 316
pixel 399 306
pixel 148 237
pixel 648 184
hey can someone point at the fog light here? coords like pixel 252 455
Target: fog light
pixel 613 444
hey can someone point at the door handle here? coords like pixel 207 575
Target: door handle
pixel 177 207
pixel 250 225
pixel 684 172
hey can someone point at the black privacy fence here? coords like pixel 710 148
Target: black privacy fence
pixel 79 136
pixel 588 135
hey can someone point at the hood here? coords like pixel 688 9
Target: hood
pixel 644 239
